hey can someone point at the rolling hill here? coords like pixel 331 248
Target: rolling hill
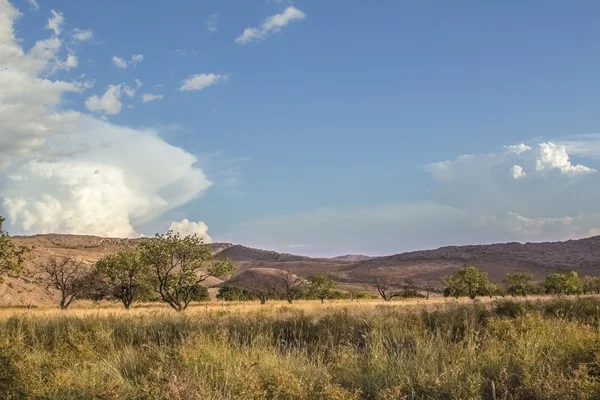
pixel 422 266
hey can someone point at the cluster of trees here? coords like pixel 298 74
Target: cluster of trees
pixel 287 286
pixel 470 281
pixel 167 267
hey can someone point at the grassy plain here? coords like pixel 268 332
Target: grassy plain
pixel 544 348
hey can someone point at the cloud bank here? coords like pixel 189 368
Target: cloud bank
pixel 68 172
pixel 520 193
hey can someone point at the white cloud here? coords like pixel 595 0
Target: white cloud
pixel 109 103
pixel 478 198
pixel 147 97
pixel 30 102
pixel 517 172
pixel 188 228
pixel 68 172
pixel 211 23
pixel 133 61
pixel 272 24
pixel 201 81
pixel 34 4
pixel 553 156
pixel 82 35
pixel 55 22
pixel 119 62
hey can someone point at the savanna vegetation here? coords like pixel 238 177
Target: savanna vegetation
pixel 511 349
pixel 522 345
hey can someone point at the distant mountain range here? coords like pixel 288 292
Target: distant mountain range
pixel 349 270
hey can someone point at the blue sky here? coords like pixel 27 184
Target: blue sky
pixel 311 127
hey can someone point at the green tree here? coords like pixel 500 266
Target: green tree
pixel 518 283
pixel 126 276
pixel 468 281
pixel 320 286
pixel 233 293
pixel 179 265
pixel 557 283
pixel 11 256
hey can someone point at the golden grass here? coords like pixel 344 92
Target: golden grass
pixel 542 348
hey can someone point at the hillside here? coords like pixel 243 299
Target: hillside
pixel 581 255
pixel 423 266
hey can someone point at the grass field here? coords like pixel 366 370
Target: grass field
pixel 426 349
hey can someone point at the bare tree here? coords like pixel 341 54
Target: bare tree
pixel 429 288
pixel 265 287
pixel 292 286
pixel 66 275
pixel 385 291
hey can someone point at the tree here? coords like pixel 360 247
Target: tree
pixel 179 265
pixel 385 291
pixel 591 284
pixel 233 293
pixel 557 283
pixel 518 283
pixel 68 276
pixel 11 256
pixel 429 288
pixel 291 286
pixel 470 281
pixel 125 274
pixel 320 286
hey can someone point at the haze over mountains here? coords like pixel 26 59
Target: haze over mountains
pixel 351 271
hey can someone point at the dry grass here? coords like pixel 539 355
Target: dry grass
pixel 409 349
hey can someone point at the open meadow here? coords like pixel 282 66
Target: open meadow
pixel 538 348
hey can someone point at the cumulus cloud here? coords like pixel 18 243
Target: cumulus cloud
pixel 552 156
pixel 189 228
pixel 148 97
pixel 68 172
pixel 517 172
pixel 34 4
pixel 109 103
pixel 520 193
pixel 82 35
pixel 201 81
pixel 272 24
pixel 122 63
pixel 30 101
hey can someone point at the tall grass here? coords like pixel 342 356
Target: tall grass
pixel 508 350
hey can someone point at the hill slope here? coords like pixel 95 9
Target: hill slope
pixel 423 266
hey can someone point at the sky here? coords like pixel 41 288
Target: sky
pixel 313 127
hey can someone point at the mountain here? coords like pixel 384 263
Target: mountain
pixel 422 266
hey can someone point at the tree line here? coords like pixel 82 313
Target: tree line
pixel 471 282
pixel 174 269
